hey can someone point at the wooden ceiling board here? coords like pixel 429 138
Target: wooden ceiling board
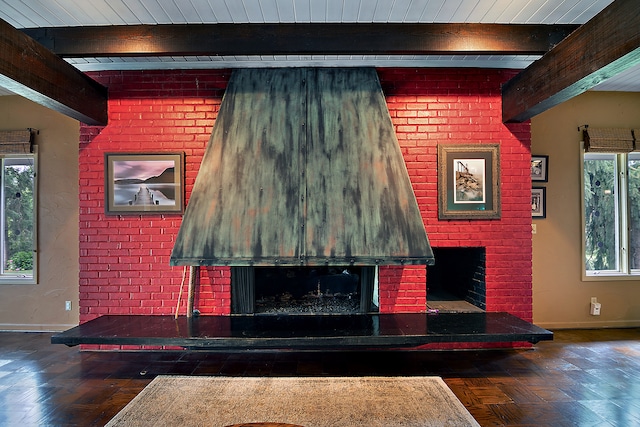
pixel 45 13
pixel 53 13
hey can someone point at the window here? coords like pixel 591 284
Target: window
pixel 611 214
pixel 18 219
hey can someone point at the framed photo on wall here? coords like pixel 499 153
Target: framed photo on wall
pixel 469 181
pixel 144 183
pixel 539 202
pixel 540 168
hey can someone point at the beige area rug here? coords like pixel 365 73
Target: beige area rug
pixel 306 401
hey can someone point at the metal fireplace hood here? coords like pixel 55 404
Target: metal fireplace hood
pixel 303 167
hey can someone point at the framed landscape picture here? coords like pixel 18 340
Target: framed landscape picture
pixel 469 181
pixel 140 183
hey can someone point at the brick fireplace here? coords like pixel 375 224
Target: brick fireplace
pixel 124 259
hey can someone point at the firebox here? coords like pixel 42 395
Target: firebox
pixel 303 290
pixel 458 275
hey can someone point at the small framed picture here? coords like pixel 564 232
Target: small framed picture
pixel 469 181
pixel 540 168
pixel 144 183
pixel 539 202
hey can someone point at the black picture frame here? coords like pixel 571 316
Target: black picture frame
pixel 538 202
pixel 539 168
pixel 144 183
pixel 469 181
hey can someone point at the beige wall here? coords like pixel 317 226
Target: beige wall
pixel 560 298
pixel 42 306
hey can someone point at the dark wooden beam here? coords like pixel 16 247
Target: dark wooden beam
pixel 603 47
pixel 28 69
pixel 301 39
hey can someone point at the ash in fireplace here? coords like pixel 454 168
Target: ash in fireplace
pixel 310 303
pixel 298 290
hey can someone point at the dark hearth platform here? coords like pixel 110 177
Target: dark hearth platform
pixel 303 331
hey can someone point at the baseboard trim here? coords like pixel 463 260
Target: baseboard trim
pixel 609 324
pixel 37 327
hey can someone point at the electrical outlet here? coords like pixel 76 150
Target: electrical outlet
pixel 595 309
pixel 594 300
pixel 67 305
pixel 534 229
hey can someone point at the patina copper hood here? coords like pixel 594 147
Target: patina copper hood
pixel 303 167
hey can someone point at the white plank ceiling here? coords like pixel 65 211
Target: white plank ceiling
pixel 51 13
pixel 44 13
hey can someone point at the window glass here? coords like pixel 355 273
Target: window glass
pixel 600 212
pixel 633 166
pixel 18 224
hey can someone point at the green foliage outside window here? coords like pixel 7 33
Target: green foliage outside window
pixel 606 214
pixel 634 210
pixel 18 210
pixel 600 214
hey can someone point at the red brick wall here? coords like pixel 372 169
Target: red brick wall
pixel 432 106
pixel 124 260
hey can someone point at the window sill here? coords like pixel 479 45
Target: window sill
pixel 17 281
pixel 610 277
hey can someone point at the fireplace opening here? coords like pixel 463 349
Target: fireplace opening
pixel 456 283
pixel 303 290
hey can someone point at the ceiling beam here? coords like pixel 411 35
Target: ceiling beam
pixel 300 39
pixel 601 48
pixel 28 69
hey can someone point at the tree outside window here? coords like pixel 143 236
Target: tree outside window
pixel 611 213
pixel 633 167
pixel 18 217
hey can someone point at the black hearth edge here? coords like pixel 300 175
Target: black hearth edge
pixel 303 332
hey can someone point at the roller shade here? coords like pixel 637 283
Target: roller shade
pixel 608 140
pixel 16 142
pixel 302 168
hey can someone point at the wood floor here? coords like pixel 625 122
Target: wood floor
pixel 581 378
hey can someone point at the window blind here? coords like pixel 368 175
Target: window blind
pixel 16 142
pixel 608 140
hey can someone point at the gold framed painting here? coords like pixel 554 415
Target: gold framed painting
pixel 469 181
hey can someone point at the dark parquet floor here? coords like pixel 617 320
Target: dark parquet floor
pixel 581 378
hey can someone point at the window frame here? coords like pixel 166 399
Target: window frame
pixel 623 272
pixel 6 279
